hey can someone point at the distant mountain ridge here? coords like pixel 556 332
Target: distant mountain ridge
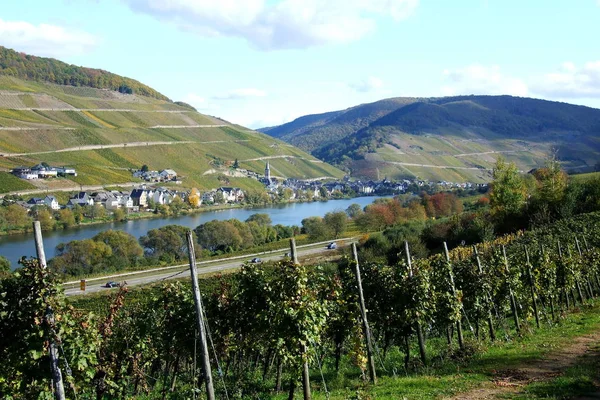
pixel 402 137
pixel 42 69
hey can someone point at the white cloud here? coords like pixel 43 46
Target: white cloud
pixel 282 25
pixel 480 79
pixel 44 39
pixel 241 94
pixel 571 82
pixel 369 84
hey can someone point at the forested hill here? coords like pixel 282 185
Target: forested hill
pixel 42 69
pixel 450 138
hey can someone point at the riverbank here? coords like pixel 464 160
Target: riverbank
pixel 154 215
pixel 15 246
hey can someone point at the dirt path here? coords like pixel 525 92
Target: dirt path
pixel 511 381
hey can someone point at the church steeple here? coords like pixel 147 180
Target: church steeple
pixel 268 172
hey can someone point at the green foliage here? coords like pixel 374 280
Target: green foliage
pixel 167 243
pixel 26 301
pixel 42 69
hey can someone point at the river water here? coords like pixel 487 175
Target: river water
pixel 14 247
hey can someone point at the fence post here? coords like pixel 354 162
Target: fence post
pixel 418 323
pixel 489 298
pixel 513 303
pixel 363 312
pixel 532 285
pixel 294 252
pixel 459 330
pixel 59 389
pixel 204 358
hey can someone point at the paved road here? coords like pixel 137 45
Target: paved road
pixel 96 285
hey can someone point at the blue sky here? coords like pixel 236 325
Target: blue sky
pixel 265 62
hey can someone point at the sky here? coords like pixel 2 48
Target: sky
pixel 266 62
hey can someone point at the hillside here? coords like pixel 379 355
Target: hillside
pixel 42 69
pixel 104 133
pixel 452 138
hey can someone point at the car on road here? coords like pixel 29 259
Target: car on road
pixel 332 245
pixel 111 284
pixel 256 260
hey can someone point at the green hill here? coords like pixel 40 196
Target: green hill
pixel 104 133
pixel 452 138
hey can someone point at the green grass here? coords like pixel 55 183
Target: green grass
pixel 10 183
pixel 578 380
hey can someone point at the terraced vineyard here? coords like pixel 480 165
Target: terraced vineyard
pixel 104 134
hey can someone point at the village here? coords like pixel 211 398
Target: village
pixel 149 195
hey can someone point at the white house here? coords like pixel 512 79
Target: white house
pixel 51 202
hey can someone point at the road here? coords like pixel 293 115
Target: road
pixel 204 267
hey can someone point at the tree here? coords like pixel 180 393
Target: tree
pixel 236 164
pixel 219 198
pixel 119 215
pixel 144 168
pixel 167 243
pixel 176 205
pixel 219 236
pixel 315 227
pixel 260 218
pixel 124 247
pixel 81 257
pixel 16 216
pixel 336 221
pixel 194 198
pixel 45 218
pixel 354 210
pixel 508 194
pixel 65 218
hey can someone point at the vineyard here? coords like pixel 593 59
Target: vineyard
pixel 277 328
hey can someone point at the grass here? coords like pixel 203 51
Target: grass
pixel 578 380
pixel 450 378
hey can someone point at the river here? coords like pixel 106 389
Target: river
pixel 14 247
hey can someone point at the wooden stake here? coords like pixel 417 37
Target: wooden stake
pixel 305 377
pixel 204 358
pixel 489 298
pixel 513 303
pixel 532 286
pixel 293 251
pixel 363 313
pixel 459 331
pixel 417 324
pixel 57 380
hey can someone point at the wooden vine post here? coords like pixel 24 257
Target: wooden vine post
pixel 459 330
pixel 587 281
pixel 293 251
pixel 303 349
pixel 204 358
pixel 513 303
pixel 489 298
pixel 543 254
pixel 564 288
pixel 418 323
pixel 532 286
pixel 363 313
pixel 57 380
pixel 577 284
